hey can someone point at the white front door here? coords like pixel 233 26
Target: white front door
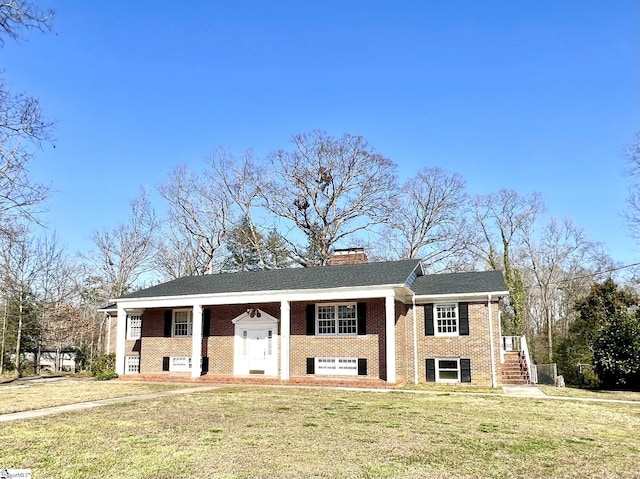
pixel 257 351
pixel 256 344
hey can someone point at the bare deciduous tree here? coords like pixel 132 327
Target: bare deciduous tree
pixel 125 253
pixel 20 265
pixel 633 202
pixel 240 179
pixel 429 222
pixel 553 259
pixel 329 190
pixel 502 219
pixel 22 125
pixel 198 222
pixel 18 15
pixel 55 288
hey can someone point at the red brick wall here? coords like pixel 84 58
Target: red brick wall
pixel 219 346
pixel 404 344
pixel 154 346
pixel 475 346
pixel 370 346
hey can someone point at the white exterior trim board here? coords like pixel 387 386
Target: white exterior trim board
pixel 258 297
pixel 461 296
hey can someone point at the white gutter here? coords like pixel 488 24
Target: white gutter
pixel 491 348
pixel 434 297
pixel 261 296
pixel 415 341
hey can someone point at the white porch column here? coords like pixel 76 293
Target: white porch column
pixel 390 331
pixel 285 339
pixel 196 342
pixel 121 336
pixel 108 349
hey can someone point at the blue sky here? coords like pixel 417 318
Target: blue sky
pixel 535 96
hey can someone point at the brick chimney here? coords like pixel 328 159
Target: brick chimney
pixel 348 256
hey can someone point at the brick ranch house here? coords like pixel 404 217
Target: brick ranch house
pixel 363 324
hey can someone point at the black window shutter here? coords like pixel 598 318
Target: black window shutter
pixel 311 365
pixel 311 320
pixel 205 364
pixel 428 319
pixel 206 323
pixel 463 319
pixel 431 370
pixel 168 317
pixel 165 363
pixel 362 319
pixel 362 366
pixel 465 370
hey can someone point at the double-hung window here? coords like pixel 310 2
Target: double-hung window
pixel 182 323
pixel 134 326
pixel 448 370
pixel 337 319
pixel 446 319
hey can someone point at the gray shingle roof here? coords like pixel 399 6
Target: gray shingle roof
pixel 460 283
pixel 322 277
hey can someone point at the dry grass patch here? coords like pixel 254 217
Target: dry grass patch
pixel 310 433
pixel 585 393
pixel 29 396
pixel 452 388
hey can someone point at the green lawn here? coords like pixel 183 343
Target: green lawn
pixel 593 394
pixel 251 432
pixel 37 395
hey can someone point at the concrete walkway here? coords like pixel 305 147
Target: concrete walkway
pixel 101 402
pixel 525 391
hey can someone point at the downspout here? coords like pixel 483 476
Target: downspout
pixel 491 348
pixel 415 340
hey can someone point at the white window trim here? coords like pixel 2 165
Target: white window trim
pixel 129 328
pixel 128 363
pixel 337 371
pixel 189 324
pixel 336 319
pixel 435 320
pixel 437 366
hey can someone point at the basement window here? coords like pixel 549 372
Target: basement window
pixel 180 364
pixel 337 366
pixel 132 364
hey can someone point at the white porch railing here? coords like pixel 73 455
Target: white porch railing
pixel 519 344
pixel 533 370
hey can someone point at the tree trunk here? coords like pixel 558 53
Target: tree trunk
pixel 36 359
pixel 18 339
pixel 4 336
pixel 549 333
pixel 56 366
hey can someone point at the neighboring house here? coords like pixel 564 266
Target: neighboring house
pixel 369 324
pixel 61 360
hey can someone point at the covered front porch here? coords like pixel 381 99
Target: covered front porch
pixel 263 339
